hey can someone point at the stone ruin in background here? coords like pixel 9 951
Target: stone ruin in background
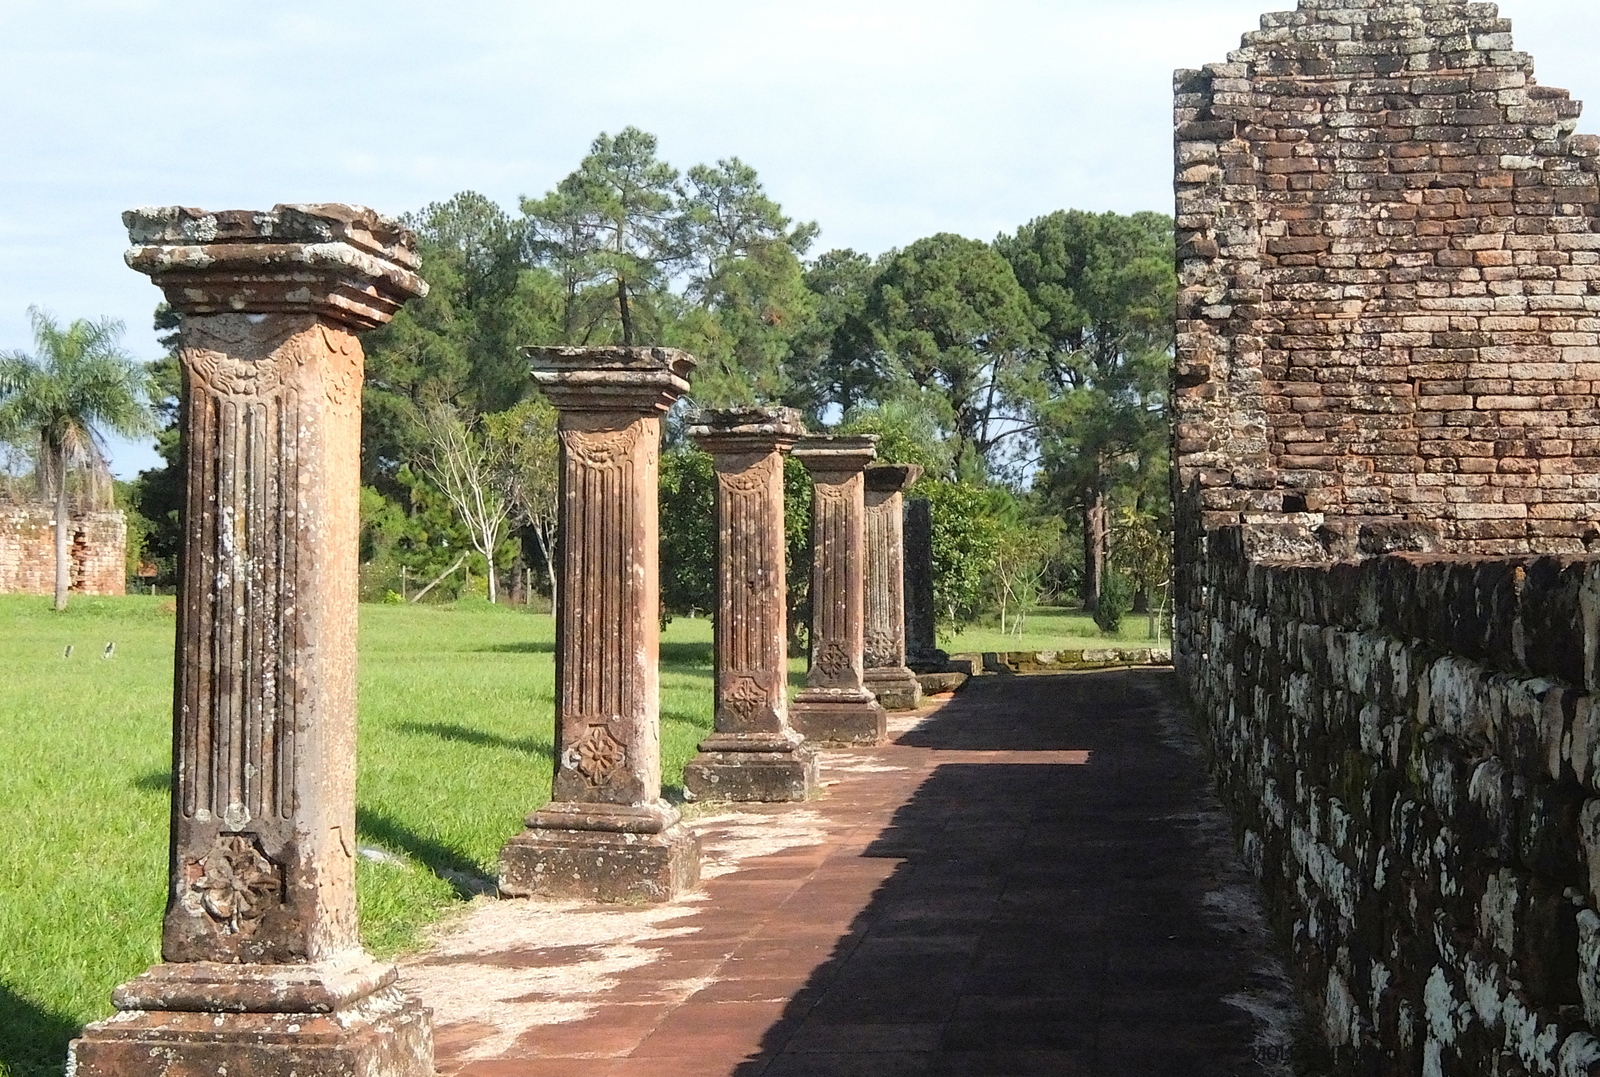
pixel 1388 477
pixel 97 546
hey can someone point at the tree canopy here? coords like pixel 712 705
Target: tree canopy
pixel 1027 375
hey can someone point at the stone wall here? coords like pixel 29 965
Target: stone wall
pixel 1387 469
pixel 98 549
pixel 1411 747
pixel 1389 311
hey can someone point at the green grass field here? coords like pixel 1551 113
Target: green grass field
pixel 456 723
pixel 1052 629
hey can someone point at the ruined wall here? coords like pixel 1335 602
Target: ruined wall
pixel 1389 310
pixel 1388 421
pixel 98 548
pixel 1411 747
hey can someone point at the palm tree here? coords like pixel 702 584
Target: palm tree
pixel 78 386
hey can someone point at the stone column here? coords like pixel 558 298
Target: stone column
pixel 264 971
pixel 607 835
pixel 754 754
pixel 922 645
pixel 896 687
pixel 836 707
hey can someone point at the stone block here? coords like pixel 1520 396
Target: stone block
pixel 384 1035
pixel 751 776
pixel 595 865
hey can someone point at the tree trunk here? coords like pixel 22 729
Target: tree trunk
pixel 1094 549
pixel 63 558
pixel 492 580
pixel 625 313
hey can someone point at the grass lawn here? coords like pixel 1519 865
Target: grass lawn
pixel 1050 629
pixel 457 710
pixel 456 720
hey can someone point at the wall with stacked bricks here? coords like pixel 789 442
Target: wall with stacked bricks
pixel 1389 305
pixel 1387 470
pixel 97 546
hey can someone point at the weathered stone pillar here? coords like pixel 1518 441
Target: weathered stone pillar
pixel 836 707
pixel 264 973
pixel 922 644
pixel 754 754
pixel 887 676
pixel 607 835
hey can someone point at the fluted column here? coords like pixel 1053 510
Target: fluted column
pixel 754 754
pixel 836 707
pixel 887 676
pixel 263 967
pixel 607 835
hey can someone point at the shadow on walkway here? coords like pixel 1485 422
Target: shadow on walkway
pixel 1060 914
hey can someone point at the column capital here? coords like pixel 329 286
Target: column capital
pixel 732 431
pixel 836 453
pixel 349 264
pixel 645 381
pixel 892 478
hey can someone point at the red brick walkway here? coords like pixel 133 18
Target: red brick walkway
pixel 1032 880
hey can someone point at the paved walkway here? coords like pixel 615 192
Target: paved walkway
pixel 1033 879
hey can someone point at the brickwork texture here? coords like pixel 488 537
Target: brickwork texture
pixel 1389 308
pixel 98 548
pixel 1387 472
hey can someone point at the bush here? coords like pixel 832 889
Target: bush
pixel 1116 599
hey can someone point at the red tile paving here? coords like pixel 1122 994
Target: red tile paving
pixel 1027 882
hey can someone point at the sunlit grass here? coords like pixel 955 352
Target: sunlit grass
pixel 1052 629
pixel 457 706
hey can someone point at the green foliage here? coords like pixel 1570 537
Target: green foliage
pixel 966 536
pixel 745 275
pixel 608 231
pixel 835 358
pixel 957 330
pixel 461 343
pixel 906 434
pixel 1104 288
pixel 1023 546
pixel 78 385
pixel 797 538
pixel 1116 599
pixel 1141 551
pixel 688 531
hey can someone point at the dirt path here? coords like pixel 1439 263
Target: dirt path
pixel 1033 879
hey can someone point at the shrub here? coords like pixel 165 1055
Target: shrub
pixel 1116 599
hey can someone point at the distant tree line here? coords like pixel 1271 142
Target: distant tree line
pixel 1028 376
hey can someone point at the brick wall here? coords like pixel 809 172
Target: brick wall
pixel 1387 469
pixel 1389 311
pixel 28 552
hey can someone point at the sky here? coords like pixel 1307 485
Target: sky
pixel 882 120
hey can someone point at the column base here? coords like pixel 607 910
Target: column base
pixel 842 718
pixel 259 1021
pixel 752 768
pixel 896 687
pixel 591 852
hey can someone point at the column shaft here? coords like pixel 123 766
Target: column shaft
pixel 922 647
pixel 836 707
pixel 264 971
pixel 607 835
pixel 887 675
pixel 754 754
